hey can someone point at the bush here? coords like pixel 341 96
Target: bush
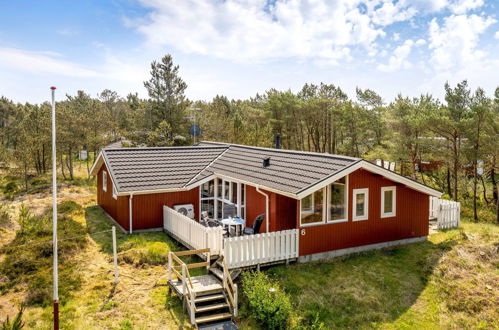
pixel 4 216
pixel 269 304
pixel 10 189
pixel 28 258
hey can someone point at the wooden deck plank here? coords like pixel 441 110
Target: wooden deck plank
pixel 201 285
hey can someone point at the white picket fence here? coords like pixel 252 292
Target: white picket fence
pixel 258 249
pixel 191 233
pixel 447 213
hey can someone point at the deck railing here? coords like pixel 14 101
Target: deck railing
pixel 251 250
pixel 447 213
pixel 191 233
pixel 241 251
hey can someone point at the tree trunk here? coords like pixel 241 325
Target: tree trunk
pixel 455 169
pixel 484 186
pixel 475 181
pixel 62 167
pixel 449 188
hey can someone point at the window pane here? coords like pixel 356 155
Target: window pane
pixel 243 213
pixel 209 206
pixel 219 210
pixel 388 202
pixel 338 203
pixel 219 187
pixel 208 189
pixel 312 208
pixel 243 188
pixel 227 190
pixel 306 203
pixel 360 204
pixel 234 192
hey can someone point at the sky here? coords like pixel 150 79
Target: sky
pixel 238 48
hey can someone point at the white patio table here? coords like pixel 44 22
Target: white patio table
pixel 237 223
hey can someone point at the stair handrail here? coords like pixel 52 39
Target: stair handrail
pixel 188 293
pixel 230 287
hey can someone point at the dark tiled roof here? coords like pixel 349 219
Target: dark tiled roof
pixel 289 171
pixel 142 169
pixel 170 168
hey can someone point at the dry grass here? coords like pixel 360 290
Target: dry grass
pixel 139 301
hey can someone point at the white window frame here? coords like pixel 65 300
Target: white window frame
pixel 104 181
pixel 115 193
pixel 328 207
pixel 222 199
pixel 324 209
pixel 394 202
pixel 356 192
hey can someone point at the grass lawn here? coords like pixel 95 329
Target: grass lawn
pixel 450 281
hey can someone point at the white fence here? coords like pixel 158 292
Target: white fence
pixel 258 249
pixel 191 233
pixel 447 213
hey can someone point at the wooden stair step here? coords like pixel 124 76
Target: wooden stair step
pixel 214 317
pixel 210 297
pixel 211 307
pixel 217 272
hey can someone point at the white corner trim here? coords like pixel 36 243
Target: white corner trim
pixel 394 202
pixel 356 192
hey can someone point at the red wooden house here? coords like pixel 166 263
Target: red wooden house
pixel 315 205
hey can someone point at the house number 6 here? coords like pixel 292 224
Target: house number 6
pixel 303 232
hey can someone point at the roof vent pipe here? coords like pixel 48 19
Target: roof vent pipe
pixel 266 162
pixel 278 141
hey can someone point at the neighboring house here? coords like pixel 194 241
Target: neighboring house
pixel 333 203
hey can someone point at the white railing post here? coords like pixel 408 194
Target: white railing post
pixel 184 281
pixel 235 300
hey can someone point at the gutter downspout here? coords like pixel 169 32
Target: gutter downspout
pixel 266 207
pixel 130 211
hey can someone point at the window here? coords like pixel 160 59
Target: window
pixel 360 204
pixel 388 201
pixel 312 208
pixel 208 189
pixel 208 198
pixel 326 205
pixel 218 193
pixel 104 180
pixel 338 196
pixel 227 190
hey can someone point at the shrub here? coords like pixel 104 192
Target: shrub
pixel 28 258
pixel 4 216
pixel 16 324
pixel 10 189
pixel 69 207
pixel 269 304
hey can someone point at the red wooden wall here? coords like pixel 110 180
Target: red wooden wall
pixel 148 209
pixel 411 220
pixel 282 209
pixel 116 208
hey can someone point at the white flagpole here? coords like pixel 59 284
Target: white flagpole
pixel 54 217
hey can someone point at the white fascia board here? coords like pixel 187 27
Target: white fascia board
pixel 147 192
pixel 373 169
pixel 97 164
pixel 329 180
